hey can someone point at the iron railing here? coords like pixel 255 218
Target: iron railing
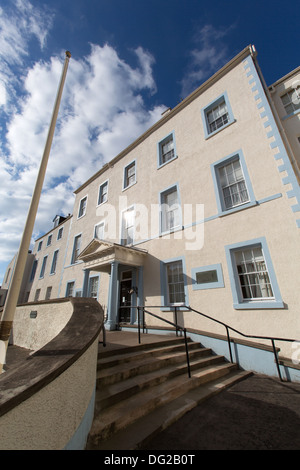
pixel 227 327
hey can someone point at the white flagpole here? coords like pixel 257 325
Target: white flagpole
pixel 13 293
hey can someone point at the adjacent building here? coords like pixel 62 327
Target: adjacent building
pixel 202 210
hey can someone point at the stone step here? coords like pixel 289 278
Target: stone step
pixel 168 340
pixel 110 394
pixel 126 412
pixel 136 435
pixel 126 370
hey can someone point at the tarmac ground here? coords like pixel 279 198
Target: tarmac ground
pixel 259 413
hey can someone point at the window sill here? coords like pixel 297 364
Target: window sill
pixel 130 186
pixel 290 115
pixel 211 134
pixel 259 305
pixel 171 308
pixel 172 230
pixel 166 163
pixel 242 207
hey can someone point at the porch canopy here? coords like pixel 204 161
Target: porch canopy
pixel 99 255
pixel 106 256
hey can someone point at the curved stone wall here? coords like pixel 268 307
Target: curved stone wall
pixel 47 401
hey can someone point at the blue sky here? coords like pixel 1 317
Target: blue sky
pixel 131 59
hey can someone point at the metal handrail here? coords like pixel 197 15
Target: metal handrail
pixel 178 327
pixel 227 327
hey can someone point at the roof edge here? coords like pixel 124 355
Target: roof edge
pixel 249 50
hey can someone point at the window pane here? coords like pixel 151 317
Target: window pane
pixel 175 282
pixel 253 274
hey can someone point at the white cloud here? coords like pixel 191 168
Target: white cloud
pixel 210 54
pixel 102 111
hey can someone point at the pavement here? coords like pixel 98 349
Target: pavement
pixel 259 413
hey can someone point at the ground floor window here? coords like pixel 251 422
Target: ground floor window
pixel 173 283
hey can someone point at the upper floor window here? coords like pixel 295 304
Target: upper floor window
pixel 82 207
pixel 54 262
pixel 103 193
pixel 76 249
pixel 43 268
pixel 291 100
pixel 166 149
pixel 60 233
pixel 99 231
pixel 170 209
pixel 49 240
pixel 232 183
pixel 128 219
pixel 33 271
pixel 217 115
pixel 40 246
pixel 129 175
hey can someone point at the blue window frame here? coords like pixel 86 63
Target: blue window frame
pixel 103 193
pixel 166 150
pixel 217 115
pixel 76 249
pixel 207 277
pixel 43 269
pixel 170 210
pixel 54 262
pixel 173 279
pixel 129 178
pixel 252 276
pixel 233 188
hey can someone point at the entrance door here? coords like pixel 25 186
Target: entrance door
pixel 125 297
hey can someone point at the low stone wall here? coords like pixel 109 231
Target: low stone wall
pixel 47 402
pixel 35 324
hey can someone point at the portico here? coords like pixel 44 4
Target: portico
pixel 124 265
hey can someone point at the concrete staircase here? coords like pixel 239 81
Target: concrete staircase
pixel 143 389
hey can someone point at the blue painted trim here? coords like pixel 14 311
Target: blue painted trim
pixel 159 153
pixel 69 282
pixel 213 217
pixel 218 190
pixel 79 439
pixel 72 263
pixel 164 284
pixel 274 133
pixel 208 285
pixel 238 302
pixel 161 194
pixel 207 108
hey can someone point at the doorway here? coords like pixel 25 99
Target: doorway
pixel 125 297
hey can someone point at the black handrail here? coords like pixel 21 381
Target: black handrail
pixel 272 339
pixel 178 327
pixel 227 327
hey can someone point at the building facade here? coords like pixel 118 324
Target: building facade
pixel 202 210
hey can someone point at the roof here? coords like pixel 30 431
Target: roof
pixel 249 50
